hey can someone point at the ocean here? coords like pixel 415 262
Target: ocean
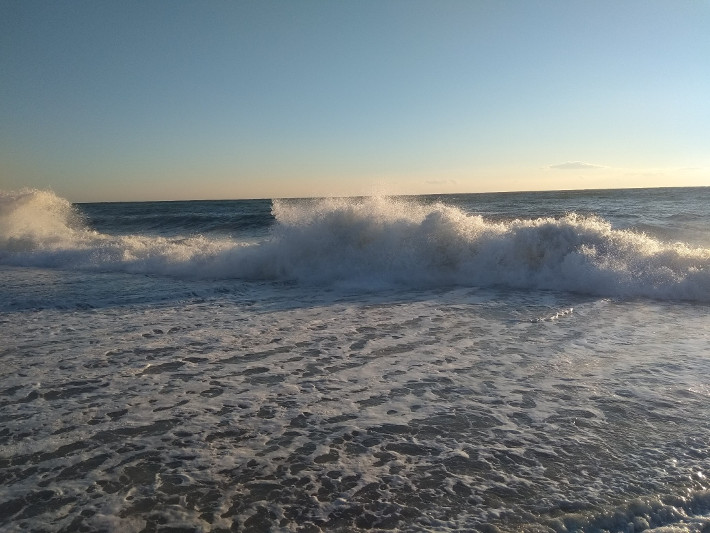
pixel 478 362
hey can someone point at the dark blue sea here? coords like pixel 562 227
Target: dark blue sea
pixel 478 362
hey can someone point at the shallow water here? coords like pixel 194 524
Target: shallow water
pixel 272 406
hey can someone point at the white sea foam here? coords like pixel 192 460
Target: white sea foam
pixel 372 242
pixel 425 410
pixel 32 219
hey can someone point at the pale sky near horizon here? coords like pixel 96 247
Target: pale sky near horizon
pixel 151 100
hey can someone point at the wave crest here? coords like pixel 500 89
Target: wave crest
pixel 370 243
pixel 397 241
pixel 32 219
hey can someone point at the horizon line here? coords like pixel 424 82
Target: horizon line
pixel 255 198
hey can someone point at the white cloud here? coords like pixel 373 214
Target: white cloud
pixel 575 165
pixel 441 182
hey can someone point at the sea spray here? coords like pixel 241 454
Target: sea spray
pixel 33 220
pixel 413 244
pixel 368 243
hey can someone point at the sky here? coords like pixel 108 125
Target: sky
pixel 177 99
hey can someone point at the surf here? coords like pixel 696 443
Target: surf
pixel 371 242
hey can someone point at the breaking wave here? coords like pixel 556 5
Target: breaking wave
pixel 371 243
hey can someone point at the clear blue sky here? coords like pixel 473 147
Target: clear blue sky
pixel 133 100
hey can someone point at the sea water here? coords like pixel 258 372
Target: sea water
pixel 497 362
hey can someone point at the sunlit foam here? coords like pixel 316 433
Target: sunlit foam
pixel 372 242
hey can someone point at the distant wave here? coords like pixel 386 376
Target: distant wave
pixel 169 219
pixel 371 242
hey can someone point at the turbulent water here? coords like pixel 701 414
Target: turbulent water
pixel 498 362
